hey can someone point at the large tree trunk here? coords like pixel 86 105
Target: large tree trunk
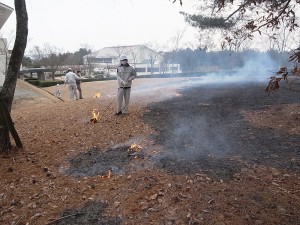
pixel 9 86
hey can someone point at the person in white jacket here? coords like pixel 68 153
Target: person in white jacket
pixel 125 75
pixel 70 79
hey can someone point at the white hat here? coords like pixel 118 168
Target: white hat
pixel 123 57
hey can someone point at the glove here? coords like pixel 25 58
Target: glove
pixel 130 79
pixel 123 82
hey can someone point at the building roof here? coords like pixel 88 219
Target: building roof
pixel 5 12
pixel 115 51
pixel 35 70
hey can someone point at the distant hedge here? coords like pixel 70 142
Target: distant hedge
pixel 49 83
pixel 27 79
pixel 44 83
pixel 173 75
pixel 98 79
pixel 34 82
pixel 59 74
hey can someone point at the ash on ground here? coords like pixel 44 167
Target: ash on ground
pixel 95 161
pixel 204 130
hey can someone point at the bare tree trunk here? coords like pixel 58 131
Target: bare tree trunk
pixel 9 86
pixel 53 74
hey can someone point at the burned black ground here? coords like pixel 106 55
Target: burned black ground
pixel 203 129
pixel 99 162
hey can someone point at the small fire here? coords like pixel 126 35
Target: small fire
pixel 178 94
pixel 97 95
pixel 108 175
pixel 95 113
pixel 135 146
pixel 134 150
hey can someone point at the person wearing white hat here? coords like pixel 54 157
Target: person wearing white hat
pixel 71 79
pixel 125 75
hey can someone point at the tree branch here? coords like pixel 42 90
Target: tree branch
pixel 275 18
pixel 234 12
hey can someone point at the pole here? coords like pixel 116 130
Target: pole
pixel 114 99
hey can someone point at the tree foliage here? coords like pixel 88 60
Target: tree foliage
pixel 268 13
pixel 204 22
pixel 200 60
pixel 243 18
pixel 52 57
pixel 246 16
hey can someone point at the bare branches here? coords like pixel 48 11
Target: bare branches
pixel 276 18
pixel 234 12
pixel 180 1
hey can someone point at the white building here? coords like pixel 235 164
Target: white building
pixel 5 12
pixel 142 58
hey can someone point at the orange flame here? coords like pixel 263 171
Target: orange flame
pixel 95 113
pixel 97 95
pixel 109 175
pixel 135 146
pixel 133 150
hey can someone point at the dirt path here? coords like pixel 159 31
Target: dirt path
pixel 27 95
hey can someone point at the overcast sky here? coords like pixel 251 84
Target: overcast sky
pixel 71 24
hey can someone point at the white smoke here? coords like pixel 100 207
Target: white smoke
pixel 255 70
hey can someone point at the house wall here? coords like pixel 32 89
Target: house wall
pixel 140 54
pixel 144 69
pixel 140 57
pixel 2 60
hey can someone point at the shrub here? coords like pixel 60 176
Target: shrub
pixel 49 83
pixel 59 74
pixel 33 82
pixel 98 79
pixel 44 83
pixel 172 75
pixel 27 79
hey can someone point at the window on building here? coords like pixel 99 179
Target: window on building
pixel 174 68
pixel 102 60
pixel 140 70
pixel 154 69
